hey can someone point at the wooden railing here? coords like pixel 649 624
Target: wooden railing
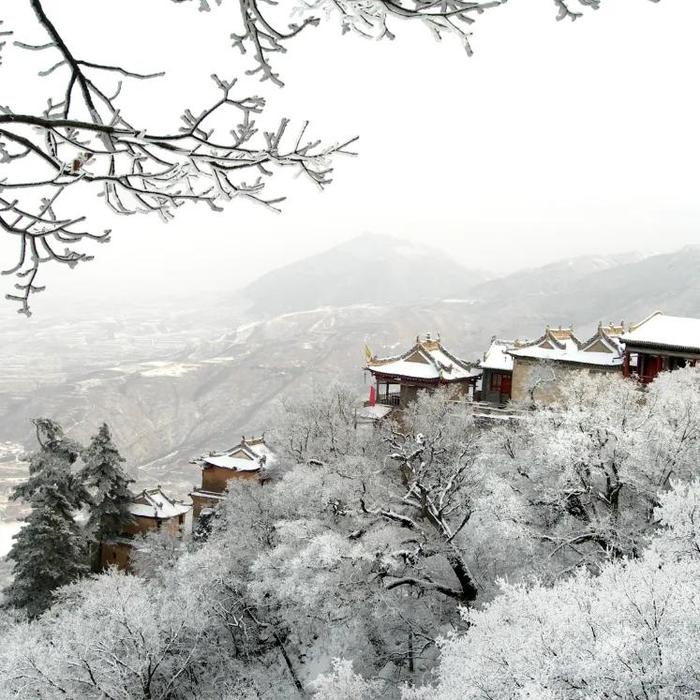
pixel 390 400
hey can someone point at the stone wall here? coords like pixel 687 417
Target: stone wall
pixel 547 376
pixel 216 479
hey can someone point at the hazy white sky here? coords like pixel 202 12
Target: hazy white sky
pixel 555 139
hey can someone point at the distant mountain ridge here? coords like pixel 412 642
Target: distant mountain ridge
pixel 627 291
pixel 668 282
pixel 383 270
pixel 557 276
pixel 367 269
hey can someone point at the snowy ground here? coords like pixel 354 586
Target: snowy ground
pixel 167 369
pixel 7 530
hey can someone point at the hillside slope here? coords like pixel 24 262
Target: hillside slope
pixel 588 290
pixel 195 384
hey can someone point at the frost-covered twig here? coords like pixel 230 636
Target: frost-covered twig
pixel 83 139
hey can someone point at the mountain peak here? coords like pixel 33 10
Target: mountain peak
pixel 370 268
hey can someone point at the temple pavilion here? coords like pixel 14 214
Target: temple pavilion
pixel 558 353
pixel 150 510
pixel 246 461
pixel 659 343
pixel 426 365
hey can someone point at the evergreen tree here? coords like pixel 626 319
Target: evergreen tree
pixel 103 472
pixel 204 525
pixel 49 551
pixel 56 454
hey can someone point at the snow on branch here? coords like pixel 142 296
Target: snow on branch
pixel 3 33
pixel 83 139
pixel 266 29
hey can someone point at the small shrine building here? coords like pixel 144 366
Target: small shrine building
pixel 150 510
pixel 426 365
pixel 246 461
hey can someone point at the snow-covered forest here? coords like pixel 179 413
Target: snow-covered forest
pixel 556 555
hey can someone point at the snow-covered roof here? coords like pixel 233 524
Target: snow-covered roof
pixel 427 360
pixel 583 357
pixel 558 338
pixel 406 368
pixel 257 448
pixel 250 454
pixel 236 463
pixel 603 349
pixel 153 503
pixel 673 332
pixel 497 357
pixel 376 412
pixel 602 340
pixel 208 494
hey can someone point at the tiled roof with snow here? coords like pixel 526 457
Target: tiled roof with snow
pixel 561 338
pixel 408 368
pixel 561 345
pixel 260 449
pixel 236 463
pixel 497 357
pixel 153 503
pixel 202 493
pixel 250 455
pixel 427 359
pixel 582 357
pixel 665 332
pixel 612 343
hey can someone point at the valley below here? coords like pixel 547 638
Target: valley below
pixel 174 383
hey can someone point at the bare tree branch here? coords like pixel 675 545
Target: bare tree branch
pixel 84 140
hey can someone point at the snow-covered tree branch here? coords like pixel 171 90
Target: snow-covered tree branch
pixel 630 632
pixel 388 548
pixel 86 140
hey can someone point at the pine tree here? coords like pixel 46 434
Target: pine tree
pixel 56 454
pixel 103 472
pixel 49 551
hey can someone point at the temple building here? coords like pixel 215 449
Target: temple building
pixel 540 366
pixel 497 367
pixel 426 365
pixel 150 510
pixel 659 343
pixel 246 461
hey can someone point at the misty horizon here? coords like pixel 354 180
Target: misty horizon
pixel 111 302
pixel 534 160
